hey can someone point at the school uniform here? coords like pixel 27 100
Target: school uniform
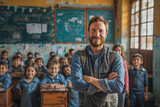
pixel 29 95
pixel 49 80
pixel 6 80
pixel 72 96
pixel 137 82
pixel 7 61
pixel 13 69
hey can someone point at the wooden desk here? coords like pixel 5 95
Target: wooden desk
pixel 6 97
pixel 53 98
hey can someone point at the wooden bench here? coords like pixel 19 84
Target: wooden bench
pixel 53 98
pixel 6 99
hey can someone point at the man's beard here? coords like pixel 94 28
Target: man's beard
pixel 96 44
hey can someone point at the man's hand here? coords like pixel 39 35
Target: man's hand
pixel 145 97
pixel 112 76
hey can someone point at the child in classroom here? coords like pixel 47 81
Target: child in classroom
pixel 68 56
pixel 72 96
pixel 71 52
pixel 5 78
pixel 41 68
pixel 20 55
pixel 63 61
pixel 16 69
pixel 36 55
pixel 53 80
pixel 121 96
pixel 29 54
pixel 30 60
pixel 52 58
pixel 4 56
pixel 51 54
pixel 29 86
pixel 138 82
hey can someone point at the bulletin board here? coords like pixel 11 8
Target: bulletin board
pixel 69 25
pixel 26 25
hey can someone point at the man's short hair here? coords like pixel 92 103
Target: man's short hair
pixel 138 55
pixel 98 18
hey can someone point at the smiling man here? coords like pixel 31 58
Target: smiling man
pixel 100 75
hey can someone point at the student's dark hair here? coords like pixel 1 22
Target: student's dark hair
pixel 29 53
pixel 29 59
pixel 98 19
pixel 67 54
pixel 138 55
pixel 36 53
pixel 16 57
pixel 33 65
pixel 4 63
pixel 122 50
pixel 20 54
pixel 40 59
pixel 4 51
pixel 53 63
pixel 51 53
pixel 70 50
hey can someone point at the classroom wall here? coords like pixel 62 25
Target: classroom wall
pixel 156 51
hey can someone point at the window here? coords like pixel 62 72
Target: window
pixel 142 12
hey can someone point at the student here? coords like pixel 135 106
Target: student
pixel 5 78
pixel 20 55
pixel 4 56
pixel 29 54
pixel 72 95
pixel 68 56
pixel 121 96
pixel 138 82
pixel 71 52
pixel 52 58
pixel 28 87
pixel 63 61
pixel 16 69
pixel 30 60
pixel 37 55
pixel 53 80
pixel 41 68
pixel 51 54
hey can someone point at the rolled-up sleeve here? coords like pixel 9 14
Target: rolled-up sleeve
pixel 114 85
pixel 78 83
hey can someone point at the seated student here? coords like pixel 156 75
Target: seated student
pixel 4 56
pixel 51 54
pixel 30 60
pixel 36 55
pixel 41 68
pixel 53 80
pixel 138 82
pixel 20 55
pixel 68 56
pixel 72 96
pixel 29 86
pixel 52 58
pixel 71 52
pixel 5 78
pixel 29 54
pixel 16 69
pixel 63 61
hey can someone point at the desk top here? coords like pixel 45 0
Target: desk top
pixel 55 90
pixel 2 90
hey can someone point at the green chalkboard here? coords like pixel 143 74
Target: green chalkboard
pixel 70 25
pixel 108 14
pixel 26 25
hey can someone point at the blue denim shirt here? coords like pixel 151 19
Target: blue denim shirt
pixel 6 80
pixel 138 79
pixel 29 96
pixel 49 80
pixel 98 68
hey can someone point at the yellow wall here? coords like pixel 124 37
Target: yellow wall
pixel 47 3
